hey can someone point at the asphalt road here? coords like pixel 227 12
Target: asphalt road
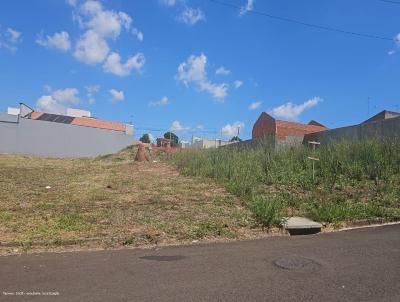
pixel 357 265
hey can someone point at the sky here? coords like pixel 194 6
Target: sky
pixel 198 67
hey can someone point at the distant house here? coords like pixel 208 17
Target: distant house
pixel 383 115
pixel 284 132
pixel 203 143
pixel 385 124
pixel 75 134
pixel 163 142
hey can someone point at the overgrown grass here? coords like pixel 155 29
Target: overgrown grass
pixel 353 179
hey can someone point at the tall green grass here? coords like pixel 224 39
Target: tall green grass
pixel 363 172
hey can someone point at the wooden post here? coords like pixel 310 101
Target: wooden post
pixel 313 158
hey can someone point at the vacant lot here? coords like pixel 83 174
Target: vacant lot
pixel 114 199
pixel 353 180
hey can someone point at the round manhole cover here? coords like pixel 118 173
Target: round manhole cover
pixel 297 264
pixel 163 258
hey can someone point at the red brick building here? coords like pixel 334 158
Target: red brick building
pixel 284 132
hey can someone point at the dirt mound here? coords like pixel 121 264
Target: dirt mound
pixel 141 154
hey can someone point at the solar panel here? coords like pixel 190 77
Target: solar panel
pixel 56 118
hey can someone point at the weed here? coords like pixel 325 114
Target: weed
pixel 267 213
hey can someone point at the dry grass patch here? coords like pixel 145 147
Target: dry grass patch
pixel 112 197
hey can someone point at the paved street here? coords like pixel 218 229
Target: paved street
pixel 357 265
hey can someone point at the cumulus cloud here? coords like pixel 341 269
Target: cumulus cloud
pixel 113 64
pixel 91 90
pixel 191 16
pixel 237 84
pixel 232 129
pixel 163 102
pixel 57 101
pixel 254 105
pixel 177 127
pixel 222 71
pixel 116 95
pixel 100 26
pixel 91 48
pixel 59 41
pixel 248 7
pixel 193 71
pixel 9 39
pixel 292 111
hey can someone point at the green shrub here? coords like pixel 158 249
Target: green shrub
pixel 267 213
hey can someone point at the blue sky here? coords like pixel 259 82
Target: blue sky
pixel 198 67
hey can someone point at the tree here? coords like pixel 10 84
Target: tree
pixel 235 139
pixel 174 138
pixel 145 138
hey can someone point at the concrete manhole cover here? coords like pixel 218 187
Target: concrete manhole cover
pixel 297 264
pixel 163 258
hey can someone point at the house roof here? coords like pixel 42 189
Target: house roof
pixel 95 123
pixel 78 121
pixel 310 128
pixel 383 115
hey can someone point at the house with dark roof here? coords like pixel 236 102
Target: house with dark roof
pixel 284 132
pixel 74 134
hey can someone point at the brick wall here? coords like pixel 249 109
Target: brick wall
pixel 264 126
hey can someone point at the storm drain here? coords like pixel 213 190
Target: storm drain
pixel 297 264
pixel 163 258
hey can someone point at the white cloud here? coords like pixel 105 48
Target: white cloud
pixel 72 2
pixel 91 48
pixel 47 103
pixel 232 129
pixel 91 90
pixel 191 15
pixel 57 101
pixel 254 105
pixel 102 25
pixel 169 2
pixel 247 8
pixel 222 71
pixel 163 102
pixel 104 22
pixel 237 84
pixel 138 34
pixel 59 41
pixel 391 52
pixel 67 95
pixel 117 95
pixel 177 127
pixel 113 64
pixel 193 71
pixel 9 39
pixel 14 36
pixel 200 127
pixel 397 39
pixel 292 111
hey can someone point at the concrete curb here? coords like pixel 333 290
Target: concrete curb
pixel 367 226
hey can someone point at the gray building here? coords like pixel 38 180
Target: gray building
pixel 28 132
pixel 385 124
